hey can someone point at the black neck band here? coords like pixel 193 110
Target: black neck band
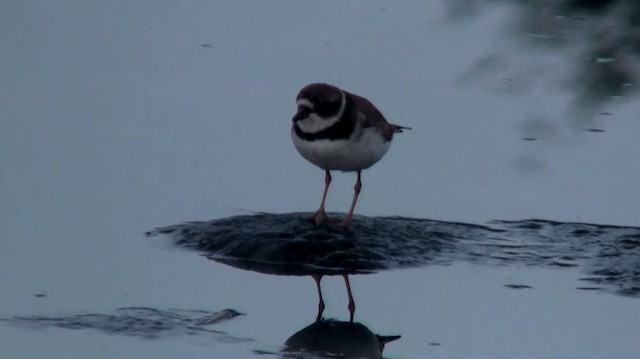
pixel 341 130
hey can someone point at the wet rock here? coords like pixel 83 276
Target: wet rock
pixel 149 323
pixel 290 244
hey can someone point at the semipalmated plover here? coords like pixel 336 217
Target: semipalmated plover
pixel 339 131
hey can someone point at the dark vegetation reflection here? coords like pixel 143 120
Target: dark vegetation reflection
pixel 596 44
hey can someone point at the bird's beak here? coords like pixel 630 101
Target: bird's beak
pixel 303 112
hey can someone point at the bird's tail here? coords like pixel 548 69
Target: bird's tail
pixel 398 128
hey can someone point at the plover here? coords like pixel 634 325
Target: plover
pixel 339 131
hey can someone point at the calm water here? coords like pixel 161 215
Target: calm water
pixel 120 118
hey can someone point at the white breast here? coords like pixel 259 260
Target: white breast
pixel 356 153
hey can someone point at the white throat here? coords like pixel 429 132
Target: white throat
pixel 315 123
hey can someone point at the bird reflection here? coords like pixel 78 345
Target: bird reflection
pixel 351 306
pixel 330 338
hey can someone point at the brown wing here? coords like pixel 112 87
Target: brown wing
pixel 370 116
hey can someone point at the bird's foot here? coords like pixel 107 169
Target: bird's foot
pixel 345 224
pixel 319 217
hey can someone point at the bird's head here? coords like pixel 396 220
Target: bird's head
pixel 319 106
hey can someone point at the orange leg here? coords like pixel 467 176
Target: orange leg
pixel 317 278
pixel 320 215
pixel 356 192
pixel 352 304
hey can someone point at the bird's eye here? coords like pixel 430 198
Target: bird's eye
pixel 304 110
pixel 328 108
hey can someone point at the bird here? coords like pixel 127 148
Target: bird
pixel 337 130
